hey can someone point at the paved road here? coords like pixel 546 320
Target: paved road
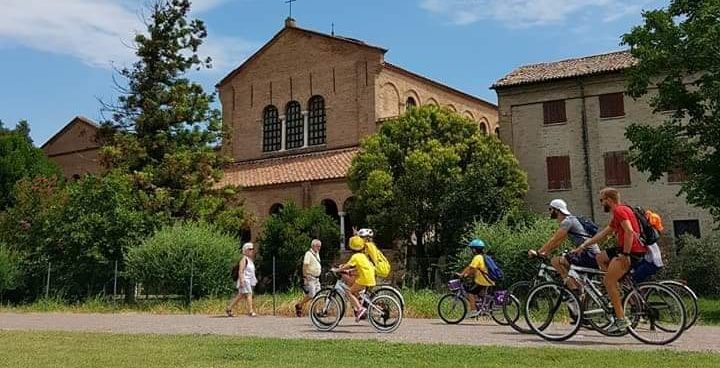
pixel 699 338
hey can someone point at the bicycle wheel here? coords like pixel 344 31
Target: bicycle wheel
pixel 519 291
pixel 340 299
pixel 385 313
pixel 511 308
pixel 392 291
pixel 552 311
pixel 452 308
pixel 326 310
pixel 689 299
pixel 599 318
pixel 656 314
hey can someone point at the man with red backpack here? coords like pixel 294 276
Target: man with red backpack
pixel 629 252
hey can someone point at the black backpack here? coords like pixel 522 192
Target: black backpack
pixel 648 234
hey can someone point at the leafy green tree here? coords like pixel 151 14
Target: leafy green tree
pixel 10 274
pixel 19 158
pixel 287 236
pixel 164 132
pixel 432 172
pixel 677 52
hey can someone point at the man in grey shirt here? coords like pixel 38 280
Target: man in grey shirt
pixel 570 228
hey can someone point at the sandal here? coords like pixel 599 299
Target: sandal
pixel 298 310
pixel 252 314
pixel 229 312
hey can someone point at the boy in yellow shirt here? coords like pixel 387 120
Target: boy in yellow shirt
pixel 477 269
pixel 364 274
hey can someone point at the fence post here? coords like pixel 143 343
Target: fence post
pixel 115 283
pixel 192 272
pixel 47 284
pixel 273 278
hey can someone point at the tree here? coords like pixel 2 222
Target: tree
pixel 19 158
pixel 164 131
pixel 677 52
pixel 432 172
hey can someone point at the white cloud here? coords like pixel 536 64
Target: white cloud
pixel 97 31
pixel 528 13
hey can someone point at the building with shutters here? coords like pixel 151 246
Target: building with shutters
pixel 565 121
pixel 297 109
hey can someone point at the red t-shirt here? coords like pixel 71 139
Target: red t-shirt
pixel 621 213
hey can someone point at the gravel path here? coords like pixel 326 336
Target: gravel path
pixel 699 338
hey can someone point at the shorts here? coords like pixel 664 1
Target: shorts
pixel 479 290
pixel 644 270
pixel 586 259
pixel 311 286
pixel 635 258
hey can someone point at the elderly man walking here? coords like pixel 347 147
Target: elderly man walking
pixel 311 275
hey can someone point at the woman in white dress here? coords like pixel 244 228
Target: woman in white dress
pixel 246 280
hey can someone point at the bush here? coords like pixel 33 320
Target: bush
pixel 9 270
pixel 698 262
pixel 164 262
pixel 287 236
pixel 508 242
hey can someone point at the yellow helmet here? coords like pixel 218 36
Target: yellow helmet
pixel 357 243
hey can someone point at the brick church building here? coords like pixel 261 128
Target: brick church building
pixel 298 108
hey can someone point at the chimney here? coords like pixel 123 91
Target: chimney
pixel 290 22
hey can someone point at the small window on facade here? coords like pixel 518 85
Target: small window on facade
pixel 554 112
pixel 276 208
pixel 483 128
pixel 272 130
pixel 410 103
pixel 294 126
pixel 617 169
pixel 677 175
pixel 682 227
pixel 612 105
pixel 316 121
pixel 558 172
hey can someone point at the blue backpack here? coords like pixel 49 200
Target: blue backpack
pixel 494 273
pixel 588 225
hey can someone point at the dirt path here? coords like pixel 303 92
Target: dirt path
pixel 699 338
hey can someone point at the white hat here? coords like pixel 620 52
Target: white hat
pixel 560 205
pixel 247 246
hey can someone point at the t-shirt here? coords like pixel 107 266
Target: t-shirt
pixel 364 268
pixel 620 214
pixel 576 233
pixel 478 263
pixel 312 261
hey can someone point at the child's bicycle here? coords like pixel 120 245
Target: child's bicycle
pixel 327 308
pixel 453 306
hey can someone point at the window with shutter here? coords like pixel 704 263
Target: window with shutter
pixel 558 172
pixel 617 169
pixel 677 175
pixel 554 112
pixel 612 105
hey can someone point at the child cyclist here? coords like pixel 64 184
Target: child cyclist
pixel 364 272
pixel 478 269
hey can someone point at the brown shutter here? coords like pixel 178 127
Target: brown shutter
pixel 617 169
pixel 554 112
pixel 677 175
pixel 558 172
pixel 612 105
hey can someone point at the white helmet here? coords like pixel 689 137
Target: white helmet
pixel 365 233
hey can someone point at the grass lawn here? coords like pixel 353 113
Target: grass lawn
pixel 64 349
pixel 420 304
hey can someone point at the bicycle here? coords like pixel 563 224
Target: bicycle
pixel 651 308
pixel 328 307
pixel 453 306
pixel 689 299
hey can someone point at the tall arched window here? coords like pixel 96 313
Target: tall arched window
pixel 316 121
pixel 410 103
pixel 294 125
pixel 483 128
pixel 272 129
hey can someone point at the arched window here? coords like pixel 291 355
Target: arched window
pixel 483 128
pixel 272 129
pixel 316 121
pixel 245 235
pixel 497 131
pixel 276 208
pixel 410 103
pixel 294 125
pixel 331 209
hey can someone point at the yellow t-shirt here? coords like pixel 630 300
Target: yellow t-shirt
pixel 478 263
pixel 364 268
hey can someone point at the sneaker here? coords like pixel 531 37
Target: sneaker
pixel 229 312
pixel 359 313
pixel 619 326
pixel 298 310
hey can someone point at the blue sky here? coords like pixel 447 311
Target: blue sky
pixel 56 56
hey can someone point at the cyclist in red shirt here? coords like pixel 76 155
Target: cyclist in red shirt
pixel 617 261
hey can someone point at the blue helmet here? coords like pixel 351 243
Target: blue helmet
pixel 477 243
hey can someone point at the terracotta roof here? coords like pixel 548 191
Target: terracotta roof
pixel 77 119
pixel 570 68
pixel 291 169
